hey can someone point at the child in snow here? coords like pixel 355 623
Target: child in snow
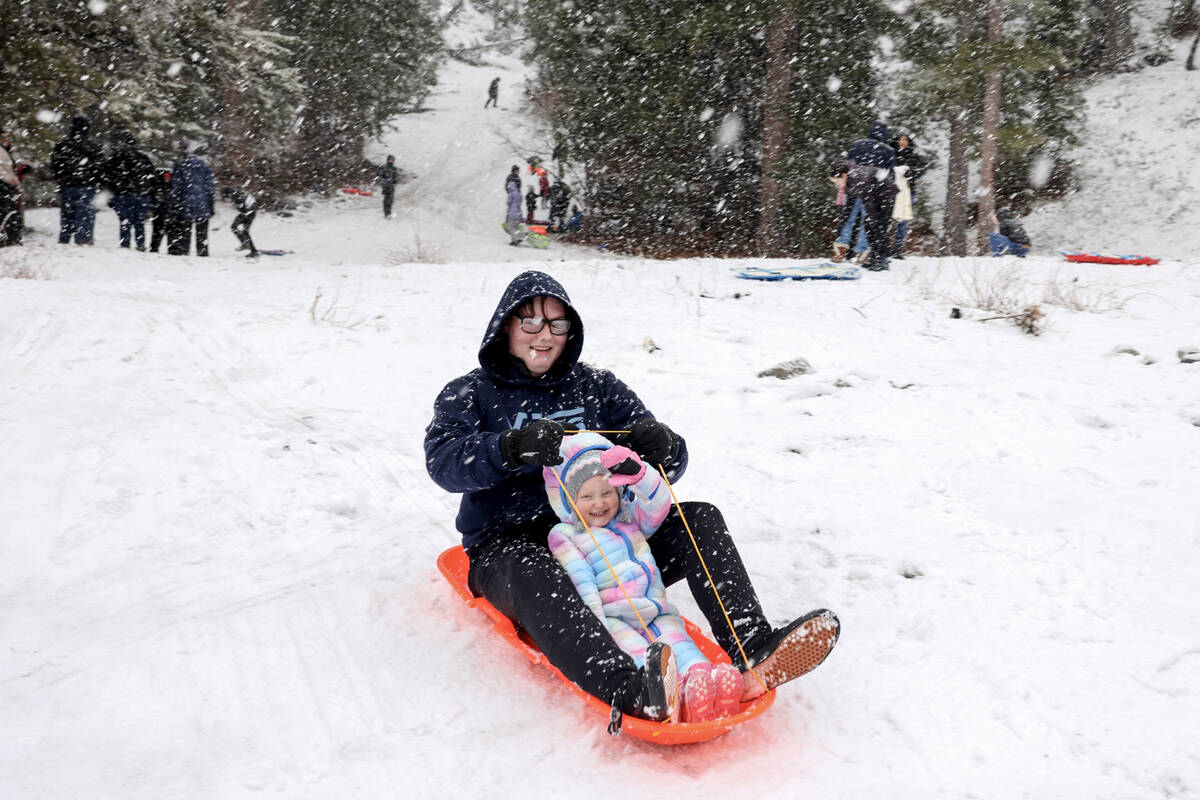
pixel 622 503
pixel 1009 238
pixel 575 223
pixel 848 215
pixel 244 203
pixel 531 199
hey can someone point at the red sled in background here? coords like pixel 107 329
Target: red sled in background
pixel 1080 257
pixel 453 564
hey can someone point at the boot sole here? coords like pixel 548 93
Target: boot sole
pixel 800 652
pixel 663 694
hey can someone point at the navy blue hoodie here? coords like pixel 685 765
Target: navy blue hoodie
pixel 873 151
pixel 462 443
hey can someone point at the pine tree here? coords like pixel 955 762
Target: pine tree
pixel 361 64
pixel 665 104
pixel 159 69
pixel 952 56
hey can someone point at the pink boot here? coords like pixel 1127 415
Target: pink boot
pixel 699 693
pixel 727 690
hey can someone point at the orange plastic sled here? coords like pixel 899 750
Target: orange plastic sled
pixel 453 564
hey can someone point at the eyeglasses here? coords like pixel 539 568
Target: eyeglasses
pixel 559 327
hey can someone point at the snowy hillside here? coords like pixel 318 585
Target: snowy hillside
pixel 1138 181
pixel 217 559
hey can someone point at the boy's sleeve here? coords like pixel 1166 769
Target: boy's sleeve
pixel 622 408
pixel 459 455
pixel 576 566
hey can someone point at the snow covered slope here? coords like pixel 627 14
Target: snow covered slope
pixel 1139 189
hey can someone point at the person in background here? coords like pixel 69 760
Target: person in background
pixel 575 221
pixel 388 177
pixel 161 220
pixel 243 202
pixel 559 201
pixel 11 223
pixel 848 215
pixel 129 174
pixel 915 164
pixel 192 195
pixel 871 179
pixel 902 210
pixel 493 92
pixel 76 161
pixel 512 212
pixel 1009 238
pixel 531 199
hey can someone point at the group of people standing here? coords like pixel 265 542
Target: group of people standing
pixel 553 197
pixel 11 175
pixel 179 202
pixel 876 185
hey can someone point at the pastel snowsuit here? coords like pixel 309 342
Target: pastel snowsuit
pixel 644 505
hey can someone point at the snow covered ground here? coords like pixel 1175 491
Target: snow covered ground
pixel 217 556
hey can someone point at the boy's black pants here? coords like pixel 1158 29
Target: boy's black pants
pixel 518 574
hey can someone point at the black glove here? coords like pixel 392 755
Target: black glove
pixel 652 440
pixel 626 467
pixel 536 443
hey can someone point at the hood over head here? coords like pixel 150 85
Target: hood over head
pixel 493 350
pixel 1004 214
pixel 879 131
pixel 79 126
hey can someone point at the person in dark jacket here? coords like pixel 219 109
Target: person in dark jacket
pixel 559 202
pixel 1009 238
pixel 870 162
pixel 244 203
pixel 129 174
pixel 11 223
pixel 493 91
pixel 907 156
pixel 76 161
pixel 192 195
pixel 162 221
pixel 531 199
pixel 388 177
pixel 495 428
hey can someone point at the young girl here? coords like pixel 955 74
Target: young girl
pixel 623 503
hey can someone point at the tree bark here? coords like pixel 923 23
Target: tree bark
pixel 236 164
pixel 1191 59
pixel 954 237
pixel 1117 33
pixel 989 136
pixel 780 45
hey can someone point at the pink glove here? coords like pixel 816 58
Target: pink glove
pixel 623 465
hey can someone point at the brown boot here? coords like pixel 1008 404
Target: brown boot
pixel 839 252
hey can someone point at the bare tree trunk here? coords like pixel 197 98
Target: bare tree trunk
pixel 781 36
pixel 989 143
pixel 1191 59
pixel 955 224
pixel 236 164
pixel 1117 33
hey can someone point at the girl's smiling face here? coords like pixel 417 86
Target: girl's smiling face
pixel 597 501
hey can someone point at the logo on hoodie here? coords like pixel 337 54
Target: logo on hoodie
pixel 568 417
